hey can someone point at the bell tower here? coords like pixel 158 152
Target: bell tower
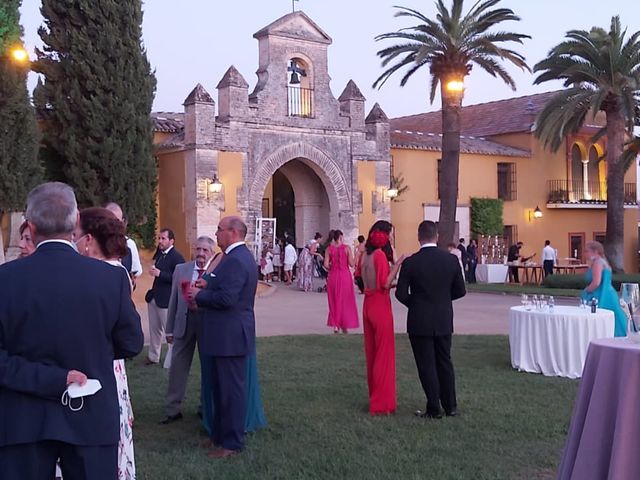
pixel 293 75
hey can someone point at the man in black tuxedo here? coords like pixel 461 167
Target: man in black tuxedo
pixel 429 281
pixel 165 260
pixel 227 334
pixel 464 257
pixel 61 311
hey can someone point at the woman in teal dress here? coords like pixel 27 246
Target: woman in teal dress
pixel 600 287
pixel 255 418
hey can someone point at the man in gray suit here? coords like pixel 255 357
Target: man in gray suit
pixel 182 327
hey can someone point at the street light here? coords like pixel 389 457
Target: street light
pixel 455 85
pixel 19 54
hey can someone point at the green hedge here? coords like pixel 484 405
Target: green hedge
pixel 578 281
pixel 486 216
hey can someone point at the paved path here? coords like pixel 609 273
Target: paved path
pixel 289 311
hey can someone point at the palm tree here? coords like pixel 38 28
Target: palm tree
pixel 450 45
pixel 601 72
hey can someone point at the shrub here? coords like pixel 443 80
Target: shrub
pixel 578 281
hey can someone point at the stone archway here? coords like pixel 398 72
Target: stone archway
pixel 326 172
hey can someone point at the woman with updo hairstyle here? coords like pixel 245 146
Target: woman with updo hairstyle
pixel 101 235
pixel 377 318
pixel 343 313
pixel 601 288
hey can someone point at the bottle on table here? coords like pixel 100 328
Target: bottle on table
pixel 552 303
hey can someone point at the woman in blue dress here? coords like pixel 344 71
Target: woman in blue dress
pixel 255 418
pixel 601 288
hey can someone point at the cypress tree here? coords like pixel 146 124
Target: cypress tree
pixel 20 169
pixel 95 101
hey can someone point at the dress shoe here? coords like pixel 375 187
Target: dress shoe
pixel 171 419
pixel 149 362
pixel 432 415
pixel 452 413
pixel 222 453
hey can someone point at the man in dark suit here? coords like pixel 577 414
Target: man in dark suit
pixel 165 260
pixel 429 281
pixel 182 327
pixel 464 256
pixel 228 333
pixel 61 311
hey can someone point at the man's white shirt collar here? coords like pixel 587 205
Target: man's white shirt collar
pixel 164 252
pixel 428 245
pixel 232 246
pixel 206 265
pixel 58 240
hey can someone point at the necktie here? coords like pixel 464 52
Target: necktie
pixel 200 272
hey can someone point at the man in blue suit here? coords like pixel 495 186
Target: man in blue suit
pixel 228 333
pixel 61 312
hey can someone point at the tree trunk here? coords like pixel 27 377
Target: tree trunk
pixel 449 165
pixel 614 240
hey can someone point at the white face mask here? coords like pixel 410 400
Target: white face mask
pixel 76 391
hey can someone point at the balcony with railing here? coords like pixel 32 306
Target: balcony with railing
pixel 300 101
pixel 579 194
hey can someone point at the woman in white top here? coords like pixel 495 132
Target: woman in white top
pixel 290 257
pixel 101 235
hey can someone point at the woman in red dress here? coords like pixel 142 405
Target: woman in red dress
pixel 343 313
pixel 379 340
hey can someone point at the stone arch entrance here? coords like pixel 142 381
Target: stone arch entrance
pixel 322 194
pixel 299 201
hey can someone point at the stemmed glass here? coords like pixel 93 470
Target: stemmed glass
pixel 524 299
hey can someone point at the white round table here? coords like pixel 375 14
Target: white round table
pixel 555 343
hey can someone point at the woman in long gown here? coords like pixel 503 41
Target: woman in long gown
pixel 377 319
pixel 101 235
pixel 306 261
pixel 601 288
pixel 255 418
pixel 343 313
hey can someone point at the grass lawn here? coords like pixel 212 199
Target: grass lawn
pixel 512 425
pixel 515 289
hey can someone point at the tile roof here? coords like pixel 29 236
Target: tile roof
pixel 513 115
pixel 167 122
pixel 433 142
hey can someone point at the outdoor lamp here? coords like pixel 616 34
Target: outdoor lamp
pixel 392 192
pixel 19 54
pixel 537 213
pixel 455 85
pixel 214 186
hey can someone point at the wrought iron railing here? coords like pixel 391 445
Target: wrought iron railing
pixel 576 191
pixel 300 101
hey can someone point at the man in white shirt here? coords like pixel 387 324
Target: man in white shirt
pixel 548 258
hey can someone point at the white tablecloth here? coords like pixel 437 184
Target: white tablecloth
pixel 555 344
pixel 491 273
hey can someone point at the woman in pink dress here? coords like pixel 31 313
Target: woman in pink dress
pixel 343 313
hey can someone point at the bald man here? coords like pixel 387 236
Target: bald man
pixel 227 334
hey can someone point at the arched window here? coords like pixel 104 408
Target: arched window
pixel 593 171
pixel 576 166
pixel 299 88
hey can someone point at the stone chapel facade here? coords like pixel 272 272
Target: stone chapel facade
pixel 290 133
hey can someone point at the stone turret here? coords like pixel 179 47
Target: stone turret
pixel 199 117
pixel 352 105
pixel 233 95
pixel 377 124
